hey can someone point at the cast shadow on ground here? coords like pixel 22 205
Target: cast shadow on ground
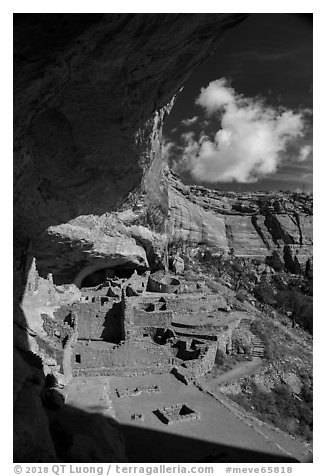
pixel 81 436
pixel 89 437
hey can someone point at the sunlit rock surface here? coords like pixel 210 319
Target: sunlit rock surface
pixel 91 188
pixel 91 93
pixel 248 225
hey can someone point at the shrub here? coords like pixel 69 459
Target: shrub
pixel 240 296
pixel 300 305
pixel 239 272
pixel 220 358
pixel 265 293
pixel 279 407
pixel 275 261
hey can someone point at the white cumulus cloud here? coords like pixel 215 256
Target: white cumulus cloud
pixel 189 122
pixel 215 96
pixel 250 142
pixel 304 153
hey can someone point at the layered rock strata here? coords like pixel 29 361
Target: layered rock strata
pixel 91 92
pixel 250 225
pixel 91 189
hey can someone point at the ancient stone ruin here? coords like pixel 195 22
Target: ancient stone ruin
pixel 177 413
pixel 96 211
pixel 137 391
pixel 130 333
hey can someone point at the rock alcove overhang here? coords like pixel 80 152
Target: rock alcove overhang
pixel 90 94
pixel 96 274
pixel 89 98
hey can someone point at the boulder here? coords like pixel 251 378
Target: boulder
pixel 293 381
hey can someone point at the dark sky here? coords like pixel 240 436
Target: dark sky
pixel 269 56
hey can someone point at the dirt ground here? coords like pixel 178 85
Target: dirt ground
pixel 218 436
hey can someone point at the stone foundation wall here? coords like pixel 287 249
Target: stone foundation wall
pixel 205 361
pixel 137 391
pixel 124 371
pixel 177 413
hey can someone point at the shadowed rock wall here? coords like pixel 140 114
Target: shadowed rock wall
pixel 90 94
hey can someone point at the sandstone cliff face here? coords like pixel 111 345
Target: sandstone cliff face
pixel 90 96
pixel 91 92
pixel 189 222
pixel 249 225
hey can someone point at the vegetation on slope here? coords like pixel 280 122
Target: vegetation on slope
pixel 281 392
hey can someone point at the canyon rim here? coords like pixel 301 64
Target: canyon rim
pixel 116 308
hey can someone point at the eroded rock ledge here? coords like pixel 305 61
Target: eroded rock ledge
pixel 257 225
pixel 90 98
pixel 91 92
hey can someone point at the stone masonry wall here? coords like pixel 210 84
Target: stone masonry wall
pixel 152 319
pixel 89 356
pixel 99 322
pixel 205 361
pixel 129 358
pixel 139 313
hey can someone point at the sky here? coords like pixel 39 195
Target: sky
pixel 243 120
